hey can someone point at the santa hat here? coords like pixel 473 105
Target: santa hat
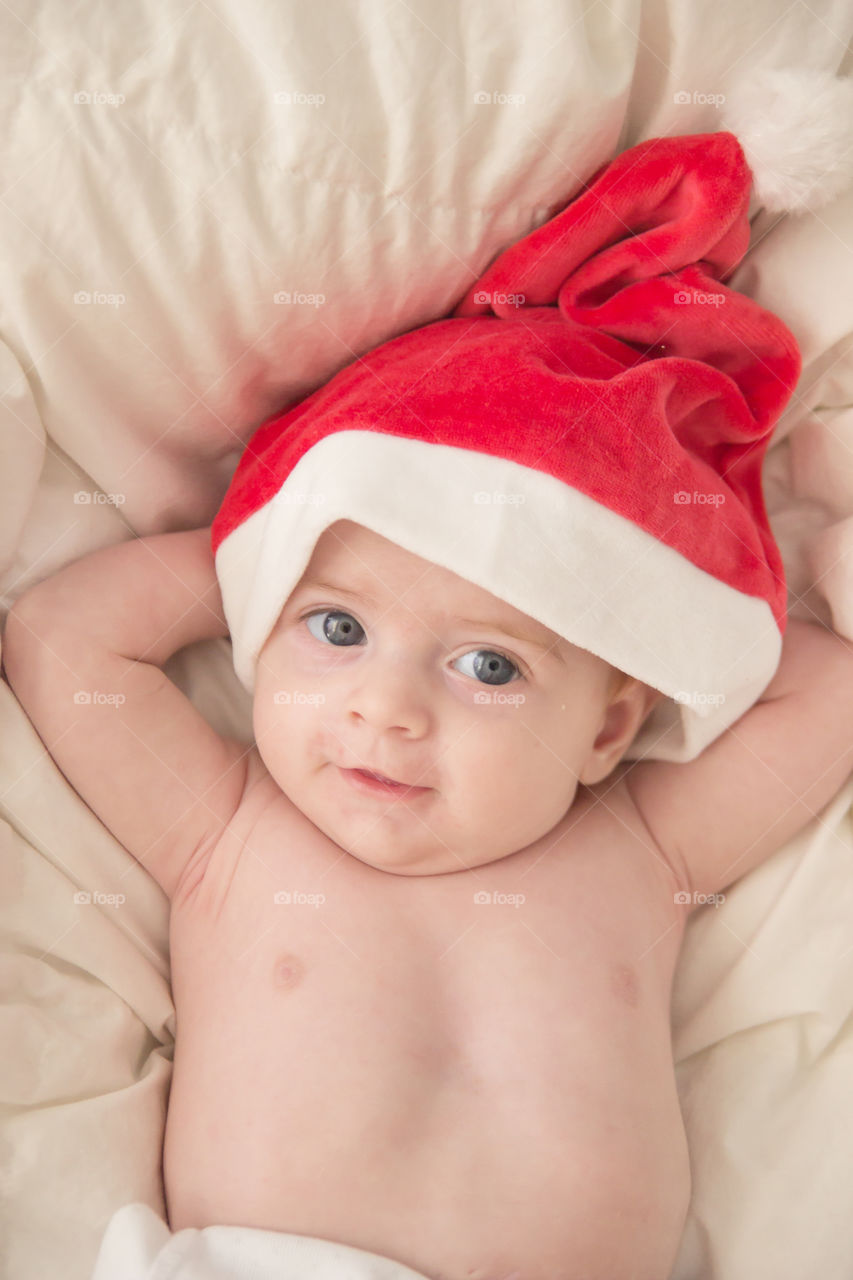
pixel 583 437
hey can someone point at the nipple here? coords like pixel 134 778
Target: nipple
pixel 288 971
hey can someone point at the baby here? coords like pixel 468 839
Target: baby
pixel 423 930
pixel 427 1017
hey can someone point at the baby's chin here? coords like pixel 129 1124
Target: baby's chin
pixel 396 854
pixel 403 858
pixel 397 843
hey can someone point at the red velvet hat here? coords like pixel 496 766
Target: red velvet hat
pixel 583 438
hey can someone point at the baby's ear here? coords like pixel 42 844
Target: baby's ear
pixel 629 706
pixel 650 698
pixel 653 697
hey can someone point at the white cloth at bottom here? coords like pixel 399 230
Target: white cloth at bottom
pixel 138 1245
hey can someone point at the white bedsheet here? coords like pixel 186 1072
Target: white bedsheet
pixel 182 196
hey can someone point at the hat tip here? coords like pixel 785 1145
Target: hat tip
pixel 795 127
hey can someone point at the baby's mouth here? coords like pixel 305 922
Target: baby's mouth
pixel 380 777
pixel 378 784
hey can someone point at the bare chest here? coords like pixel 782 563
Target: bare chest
pixel 504 1024
pixel 289 934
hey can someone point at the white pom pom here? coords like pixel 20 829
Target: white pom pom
pixel 796 130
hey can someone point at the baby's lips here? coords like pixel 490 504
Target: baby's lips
pixel 385 777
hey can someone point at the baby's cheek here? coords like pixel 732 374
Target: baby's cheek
pixel 487 699
pixel 546 761
pixel 273 723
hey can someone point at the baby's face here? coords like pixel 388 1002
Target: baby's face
pixel 385 662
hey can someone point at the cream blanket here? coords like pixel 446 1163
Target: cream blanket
pixel 218 160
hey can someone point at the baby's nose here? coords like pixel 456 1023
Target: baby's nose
pixel 392 695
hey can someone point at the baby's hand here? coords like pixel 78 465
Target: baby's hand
pixel 716 817
pixel 83 652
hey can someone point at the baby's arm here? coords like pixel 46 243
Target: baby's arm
pixel 765 777
pixel 83 652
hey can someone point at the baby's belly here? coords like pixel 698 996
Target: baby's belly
pixel 473 1104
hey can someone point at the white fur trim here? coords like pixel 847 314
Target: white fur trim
pixel 622 594
pixel 796 130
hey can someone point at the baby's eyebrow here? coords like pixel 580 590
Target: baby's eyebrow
pixel 515 631
pixel 318 584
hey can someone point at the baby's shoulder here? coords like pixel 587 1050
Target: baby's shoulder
pixel 268 844
pixel 213 871
pixel 606 819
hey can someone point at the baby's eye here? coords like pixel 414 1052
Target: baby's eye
pixel 489 666
pixel 339 628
